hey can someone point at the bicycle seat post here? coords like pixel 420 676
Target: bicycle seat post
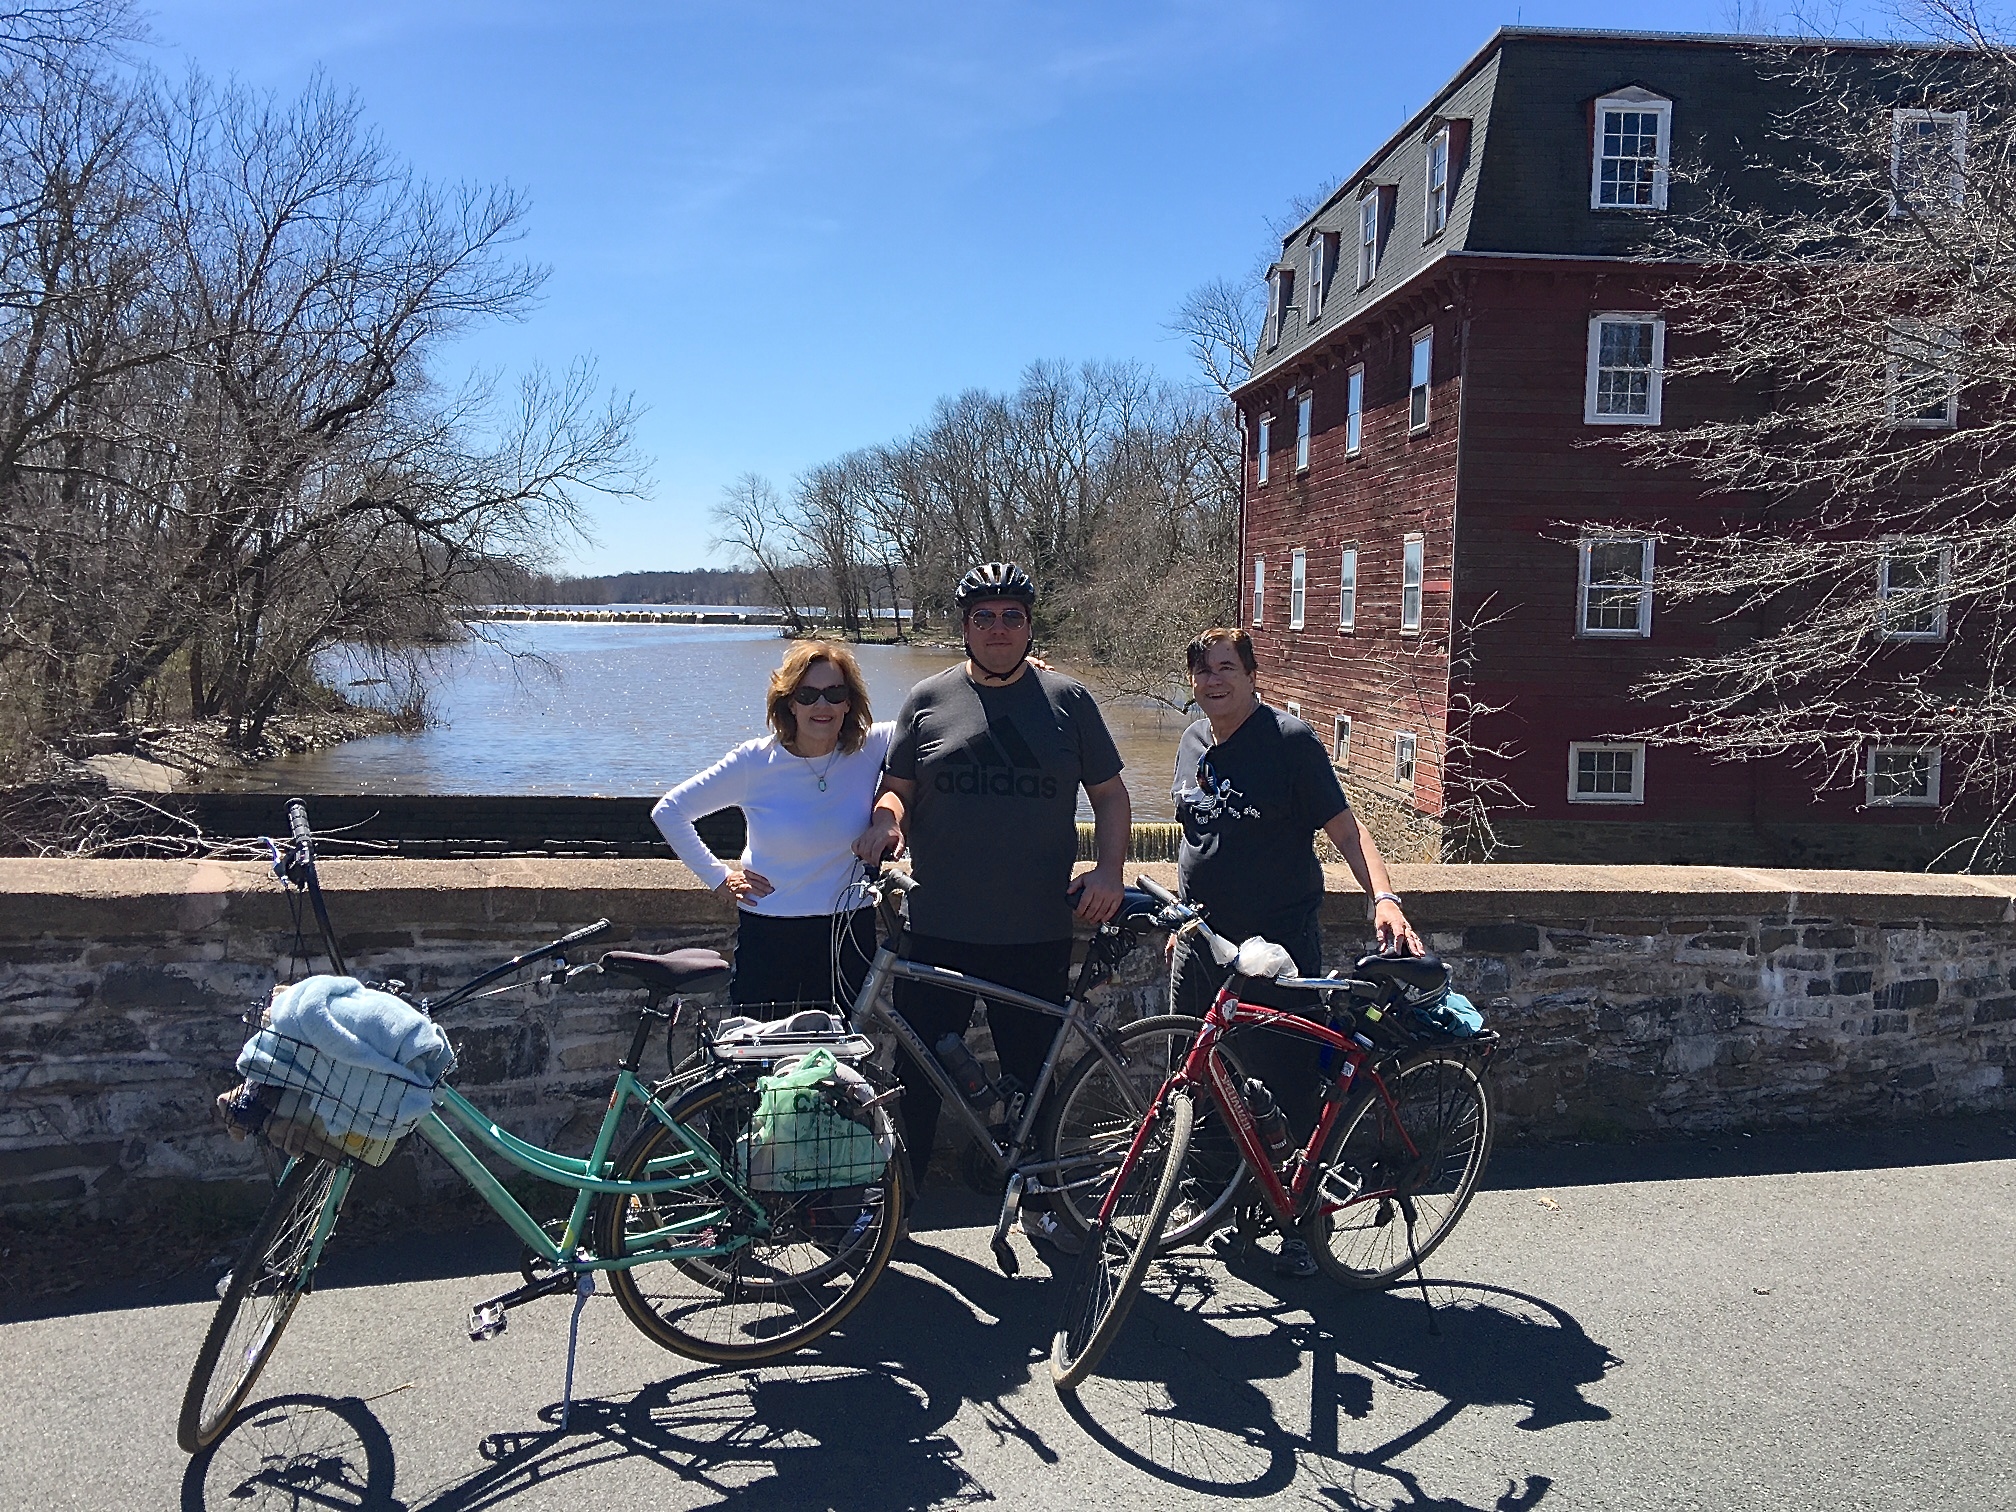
pixel 634 1056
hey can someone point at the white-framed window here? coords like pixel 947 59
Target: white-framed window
pixel 1259 588
pixel 1921 379
pixel 1305 413
pixel 1902 777
pixel 1264 446
pixel 1411 551
pixel 1347 590
pixel 1606 772
pixel 1928 161
pixel 1354 410
pixel 1298 587
pixel 1613 593
pixel 1421 368
pixel 1627 356
pixel 1284 297
pixel 1322 265
pixel 1911 585
pixel 1438 184
pixel 1294 708
pixel 1368 235
pixel 1340 742
pixel 1403 761
pixel 1631 152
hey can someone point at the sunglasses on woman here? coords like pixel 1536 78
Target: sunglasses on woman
pixel 837 694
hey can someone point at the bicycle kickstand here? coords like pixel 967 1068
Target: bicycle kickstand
pixel 1011 1205
pixel 1434 1323
pixel 584 1288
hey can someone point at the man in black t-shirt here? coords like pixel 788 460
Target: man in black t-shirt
pixel 982 782
pixel 1253 785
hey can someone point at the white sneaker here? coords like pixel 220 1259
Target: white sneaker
pixel 1046 1228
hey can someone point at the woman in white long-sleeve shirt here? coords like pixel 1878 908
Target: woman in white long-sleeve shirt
pixel 806 790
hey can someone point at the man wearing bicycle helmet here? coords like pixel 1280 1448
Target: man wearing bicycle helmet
pixel 981 782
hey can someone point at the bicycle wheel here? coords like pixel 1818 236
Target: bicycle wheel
pixel 1119 1249
pixel 259 1297
pixel 1090 1121
pixel 770 1293
pixel 1371 1173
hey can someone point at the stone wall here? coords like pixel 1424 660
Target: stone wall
pixel 1630 998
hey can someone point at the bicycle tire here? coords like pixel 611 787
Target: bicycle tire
pixel 263 1289
pixel 1087 1119
pixel 1446 1111
pixel 774 1294
pixel 1114 1262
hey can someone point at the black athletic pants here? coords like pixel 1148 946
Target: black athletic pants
pixel 1021 1036
pixel 1290 1064
pixel 791 960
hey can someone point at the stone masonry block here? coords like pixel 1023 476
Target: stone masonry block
pixel 1830 939
pixel 1852 983
pixel 1917 993
pixel 1501 939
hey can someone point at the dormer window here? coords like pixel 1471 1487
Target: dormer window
pixel 1322 262
pixel 1374 205
pixel 1438 182
pixel 1633 145
pixel 1284 296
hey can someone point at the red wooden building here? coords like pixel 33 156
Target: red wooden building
pixel 1436 561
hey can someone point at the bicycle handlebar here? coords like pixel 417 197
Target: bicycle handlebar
pixel 297 821
pixel 519 963
pixel 1155 890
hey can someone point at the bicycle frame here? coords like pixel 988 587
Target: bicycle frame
pixel 588 1178
pixel 874 1008
pixel 1204 1067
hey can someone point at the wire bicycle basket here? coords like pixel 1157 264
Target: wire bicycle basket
pixel 306 1101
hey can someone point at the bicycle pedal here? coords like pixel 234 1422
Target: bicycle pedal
pixel 486 1321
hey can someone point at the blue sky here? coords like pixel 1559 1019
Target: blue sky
pixel 789 227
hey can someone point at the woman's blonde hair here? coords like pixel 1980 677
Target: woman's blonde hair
pixel 791 672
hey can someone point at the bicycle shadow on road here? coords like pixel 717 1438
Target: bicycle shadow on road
pixel 295 1451
pixel 860 1420
pixel 1178 1398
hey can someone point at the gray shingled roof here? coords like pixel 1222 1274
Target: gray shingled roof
pixel 1524 187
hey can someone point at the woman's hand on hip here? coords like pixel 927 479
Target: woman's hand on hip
pixel 744 887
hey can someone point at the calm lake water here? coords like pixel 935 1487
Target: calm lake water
pixel 625 711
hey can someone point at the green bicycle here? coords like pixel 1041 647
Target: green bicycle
pixel 704 1256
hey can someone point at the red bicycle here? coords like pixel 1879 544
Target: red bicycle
pixel 1397 1151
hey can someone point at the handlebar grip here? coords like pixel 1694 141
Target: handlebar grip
pixel 297 820
pixel 901 881
pixel 1155 890
pixel 600 926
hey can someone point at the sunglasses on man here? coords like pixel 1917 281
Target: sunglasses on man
pixel 984 619
pixel 837 694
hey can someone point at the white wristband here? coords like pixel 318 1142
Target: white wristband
pixel 1393 898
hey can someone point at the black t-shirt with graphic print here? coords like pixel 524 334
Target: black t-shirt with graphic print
pixel 1250 809
pixel 994 822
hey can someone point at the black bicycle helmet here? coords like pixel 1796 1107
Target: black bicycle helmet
pixel 994 580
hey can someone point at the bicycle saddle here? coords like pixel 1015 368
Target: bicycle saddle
pixel 695 970
pixel 1417 974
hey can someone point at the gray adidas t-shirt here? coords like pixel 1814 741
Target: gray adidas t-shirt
pixel 994 823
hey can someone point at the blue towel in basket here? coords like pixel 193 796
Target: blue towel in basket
pixel 355 1035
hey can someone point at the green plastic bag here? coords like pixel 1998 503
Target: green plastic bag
pixel 799 1141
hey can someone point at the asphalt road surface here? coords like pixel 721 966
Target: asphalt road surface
pixel 1822 1322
